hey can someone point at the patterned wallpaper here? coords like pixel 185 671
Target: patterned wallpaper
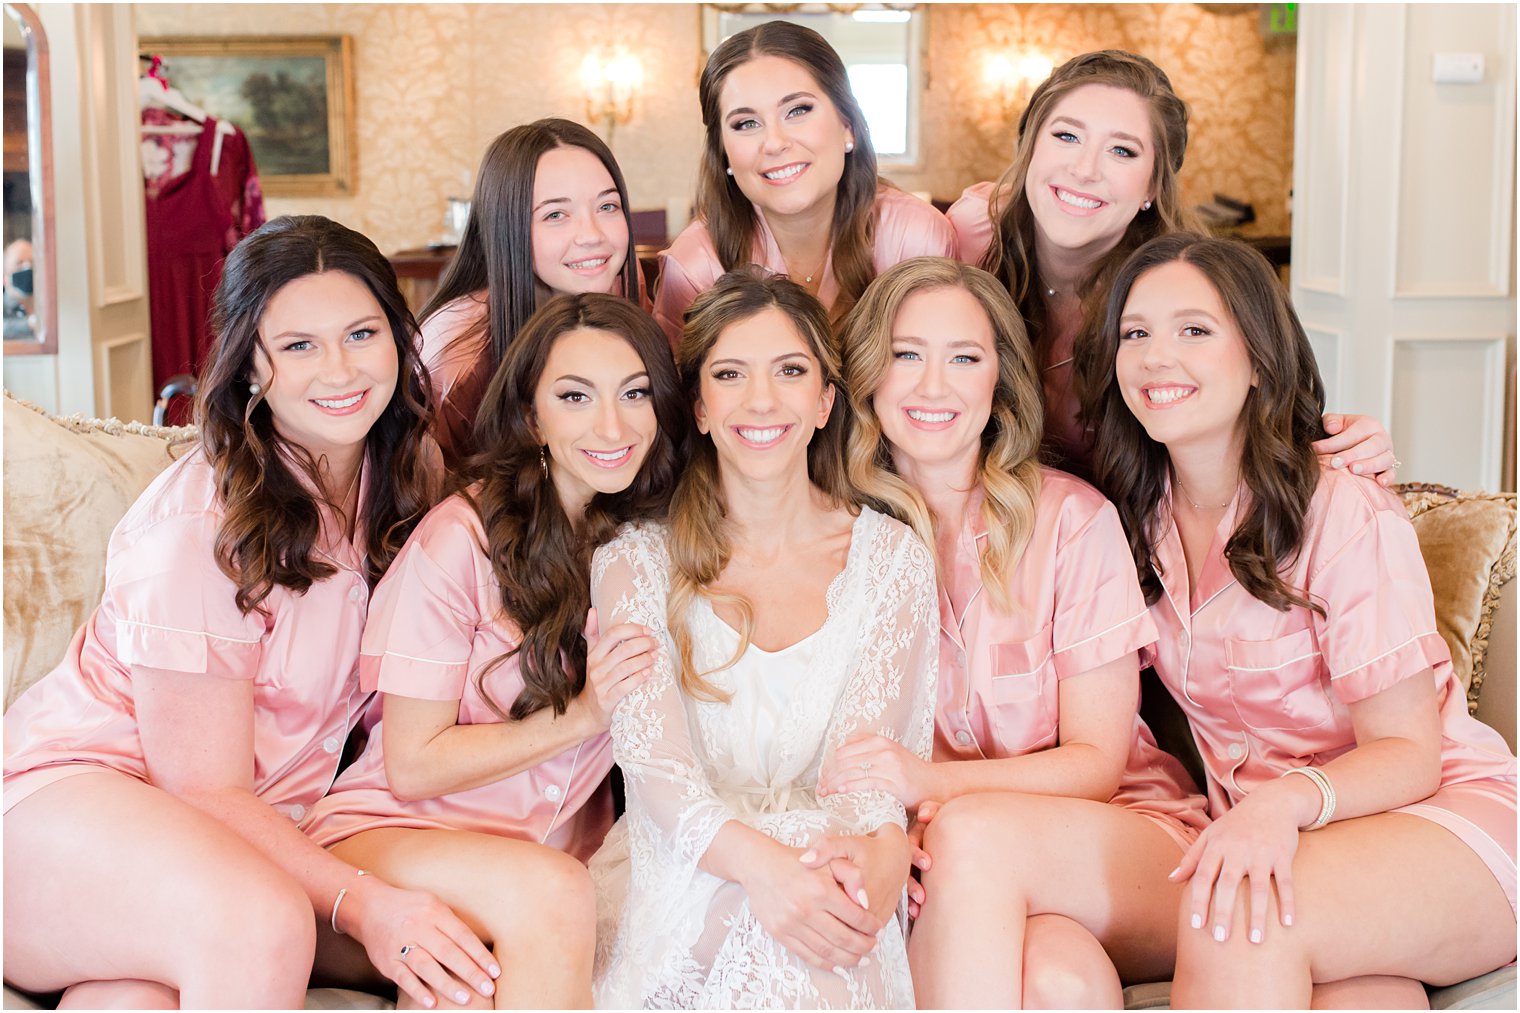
pixel 435 83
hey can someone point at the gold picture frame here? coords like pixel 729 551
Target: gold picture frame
pixel 292 96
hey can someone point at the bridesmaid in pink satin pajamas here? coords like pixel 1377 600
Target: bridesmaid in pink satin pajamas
pixel 788 180
pixel 1297 631
pixel 157 781
pixel 492 751
pixel 1045 881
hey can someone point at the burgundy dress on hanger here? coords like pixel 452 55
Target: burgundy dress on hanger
pixel 193 220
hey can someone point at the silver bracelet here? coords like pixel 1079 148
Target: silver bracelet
pixel 1326 794
pixel 339 900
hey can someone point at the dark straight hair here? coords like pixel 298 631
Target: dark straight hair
pixel 496 249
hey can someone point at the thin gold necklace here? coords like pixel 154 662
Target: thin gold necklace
pixel 1198 506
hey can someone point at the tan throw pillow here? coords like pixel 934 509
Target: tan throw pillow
pixel 67 483
pixel 1468 541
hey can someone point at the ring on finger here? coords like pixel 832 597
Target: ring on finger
pixel 1397 464
pixel 405 949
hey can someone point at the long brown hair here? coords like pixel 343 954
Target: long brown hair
pixel 496 248
pixel 1281 418
pixel 1012 255
pixel 730 216
pixel 270 528
pixel 699 543
pixel 1008 469
pixel 541 562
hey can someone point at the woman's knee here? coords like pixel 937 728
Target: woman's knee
pixel 968 829
pixel 546 892
pixel 265 917
pixel 1066 967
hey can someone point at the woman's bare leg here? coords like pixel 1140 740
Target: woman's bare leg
pixel 1000 858
pixel 1390 894
pixel 532 905
pixel 115 880
pixel 1372 991
pixel 137 994
pixel 1065 967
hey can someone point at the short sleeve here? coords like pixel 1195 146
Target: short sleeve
pixel 908 228
pixel 424 613
pixel 1099 614
pixel 971 219
pixel 175 609
pixel 1380 624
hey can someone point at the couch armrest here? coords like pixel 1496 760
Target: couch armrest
pixel 1496 704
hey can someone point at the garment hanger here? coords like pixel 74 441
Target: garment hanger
pixel 153 89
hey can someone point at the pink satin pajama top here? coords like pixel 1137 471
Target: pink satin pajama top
pixel 906 227
pixel 436 622
pixel 1266 691
pixel 168 606
pixel 1077 605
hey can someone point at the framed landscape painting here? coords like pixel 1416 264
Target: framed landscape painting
pixel 292 96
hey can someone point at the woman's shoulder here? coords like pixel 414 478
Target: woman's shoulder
pixel 644 540
pixel 909 226
pixel 971 218
pixel 453 335
pixel 452 525
pixel 183 494
pixel 1344 505
pixel 693 248
pixel 890 538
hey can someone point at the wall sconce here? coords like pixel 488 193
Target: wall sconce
pixel 610 83
pixel 1015 79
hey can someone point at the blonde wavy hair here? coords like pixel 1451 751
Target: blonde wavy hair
pixel 1009 469
pixel 699 545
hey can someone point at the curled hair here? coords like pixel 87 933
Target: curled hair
pixel 1008 468
pixel 699 544
pixel 496 248
pixel 270 528
pixel 540 557
pixel 1278 424
pixel 1012 255
pixel 730 216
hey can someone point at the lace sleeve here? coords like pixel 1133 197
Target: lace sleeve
pixel 651 736
pixel 891 691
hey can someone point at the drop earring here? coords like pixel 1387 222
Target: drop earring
pixel 543 461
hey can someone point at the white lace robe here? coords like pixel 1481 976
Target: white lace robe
pixel 671 935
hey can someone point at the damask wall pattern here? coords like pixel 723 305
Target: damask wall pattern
pixel 435 83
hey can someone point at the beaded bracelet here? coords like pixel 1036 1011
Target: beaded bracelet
pixel 1326 794
pixel 339 900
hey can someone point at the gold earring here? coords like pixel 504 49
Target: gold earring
pixel 543 461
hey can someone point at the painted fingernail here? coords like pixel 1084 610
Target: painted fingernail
pixel 839 970
pixel 1356 469
pixel 807 856
pixel 1173 875
pixel 1219 933
pixel 863 897
pixel 922 863
pixel 1197 921
pixel 1288 921
pixel 1337 462
pixel 865 961
pixel 428 1002
pixel 486 988
pixel 1256 935
pixel 461 997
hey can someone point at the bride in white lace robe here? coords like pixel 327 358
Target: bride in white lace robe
pixel 671 935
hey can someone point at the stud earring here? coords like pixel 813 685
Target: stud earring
pixel 729 170
pixel 254 390
pixel 1146 206
pixel 849 146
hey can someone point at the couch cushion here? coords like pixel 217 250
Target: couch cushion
pixel 1468 541
pixel 67 483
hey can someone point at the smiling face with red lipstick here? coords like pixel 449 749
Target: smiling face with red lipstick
pixel 1091 170
pixel 326 364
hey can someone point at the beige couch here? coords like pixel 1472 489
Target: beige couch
pixel 68 481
